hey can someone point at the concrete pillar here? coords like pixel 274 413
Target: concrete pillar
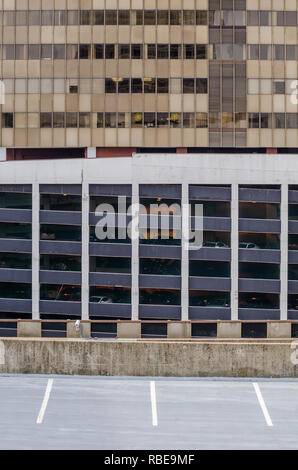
pixel 85 251
pixel 128 329
pixel 29 329
pixel 284 253
pixel 35 251
pixel 179 329
pixel 234 250
pixel 135 259
pixel 83 330
pixel 91 152
pixel 229 329
pixel 185 225
pixel 279 329
pixel 3 154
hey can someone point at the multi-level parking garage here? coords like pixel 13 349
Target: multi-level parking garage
pixel 52 264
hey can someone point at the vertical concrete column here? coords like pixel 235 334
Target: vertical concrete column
pixel 3 154
pixel 135 258
pixel 234 250
pixel 284 253
pixel 185 225
pixel 35 250
pixel 85 250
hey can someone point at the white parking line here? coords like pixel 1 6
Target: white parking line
pixel 45 402
pixel 262 404
pixel 153 404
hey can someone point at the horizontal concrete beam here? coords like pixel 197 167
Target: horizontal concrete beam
pixel 229 329
pixel 128 329
pixel 220 358
pixel 179 330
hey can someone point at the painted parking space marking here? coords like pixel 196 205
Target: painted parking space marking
pixel 45 401
pixel 153 404
pixel 262 404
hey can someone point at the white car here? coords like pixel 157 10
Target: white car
pixel 100 300
pixel 215 245
pixel 248 245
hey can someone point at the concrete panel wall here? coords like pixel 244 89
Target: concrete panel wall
pixel 222 358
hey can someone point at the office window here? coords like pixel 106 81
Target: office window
pixel 162 51
pixel 188 85
pixel 85 51
pixel 111 120
pixel 136 120
pixel 162 120
pixel 279 121
pixel 111 17
pixel 201 85
pixel 291 52
pixel 84 120
pixel 110 51
pixel 123 86
pixel 162 17
pixel 253 51
pixel 265 18
pixel 175 51
pixel 85 17
pixel 279 51
pixel 265 52
pixel 72 51
pixel 279 87
pixel 151 51
pixel 149 120
pixel 47 17
pixel 71 120
pixel 59 51
pixel 21 18
pixel 253 120
pixel 123 51
pixel 201 17
pixel 189 51
pixel 46 85
pixel 98 17
pixel 265 121
pixel 201 51
pixel 123 120
pixel 188 17
pixel 162 85
pixel 72 17
pixel 110 86
pixel 149 85
pixel 34 51
pixel 58 120
pixel 98 51
pixel 7 120
pixel 201 120
pixel 45 120
pixel 175 85
pixel 33 85
pixel 189 120
pixel 149 17
pixel 136 51
pixel 292 120
pixel 99 120
pixel 21 52
pixel 175 17
pixel 253 18
pixel 46 51
pixel 175 120
pixel 60 17
pixel 136 85
pixel 124 17
pixel 137 17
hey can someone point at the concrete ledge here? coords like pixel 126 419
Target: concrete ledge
pixel 129 329
pixel 279 329
pixel 229 329
pixel 269 358
pixel 84 330
pixel 179 330
pixel 30 329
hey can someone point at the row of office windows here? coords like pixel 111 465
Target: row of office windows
pixel 268 86
pixel 107 120
pixel 103 51
pixel 107 85
pixel 150 119
pixel 217 51
pixel 105 17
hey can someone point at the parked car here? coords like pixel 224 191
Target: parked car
pixel 248 245
pixel 100 299
pixel 215 245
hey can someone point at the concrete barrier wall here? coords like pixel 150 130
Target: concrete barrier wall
pixel 217 358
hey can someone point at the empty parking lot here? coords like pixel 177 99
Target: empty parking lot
pixel 63 412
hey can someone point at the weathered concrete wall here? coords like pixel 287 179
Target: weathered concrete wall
pixel 149 358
